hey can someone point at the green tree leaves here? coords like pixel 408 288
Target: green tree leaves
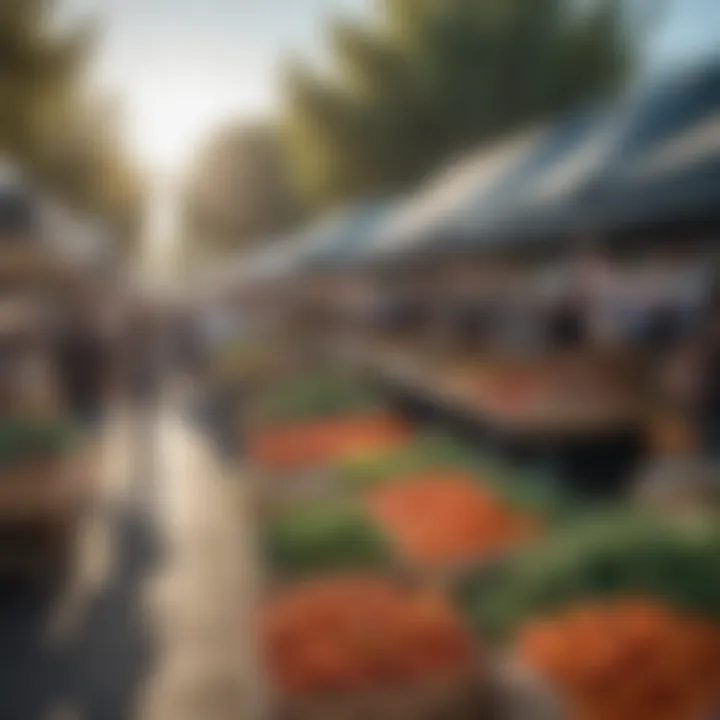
pixel 430 78
pixel 50 125
pixel 239 189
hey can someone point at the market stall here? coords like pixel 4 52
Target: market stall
pixel 46 481
pixel 496 577
pixel 47 469
pixel 498 476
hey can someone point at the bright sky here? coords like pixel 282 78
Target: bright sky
pixel 183 66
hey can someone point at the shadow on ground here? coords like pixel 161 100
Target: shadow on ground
pixel 97 672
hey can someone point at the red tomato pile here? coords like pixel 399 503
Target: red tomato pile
pixel 360 634
pixel 300 447
pixel 447 518
pixel 629 660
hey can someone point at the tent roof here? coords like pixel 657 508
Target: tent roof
pixel 668 166
pixel 572 152
pixel 590 171
pixel 348 239
pixel 429 213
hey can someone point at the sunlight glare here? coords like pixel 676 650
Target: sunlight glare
pixel 171 115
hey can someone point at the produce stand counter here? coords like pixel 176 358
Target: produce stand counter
pixel 348 662
pixel 352 626
pixel 45 472
pixel 591 438
pixel 357 623
pixel 619 578
pixel 618 614
pixel 40 506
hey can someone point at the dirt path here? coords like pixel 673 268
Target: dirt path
pixel 156 623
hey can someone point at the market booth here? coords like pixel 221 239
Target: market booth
pixel 522 294
pixel 46 480
pixel 517 251
pixel 497 352
pixel 430 536
pixel 45 469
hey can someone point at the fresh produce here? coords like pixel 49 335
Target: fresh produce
pixel 608 556
pixel 323 442
pixel 422 454
pixel 333 536
pixel 514 392
pixel 431 521
pixel 433 503
pixel 441 453
pixel 361 634
pixel 312 398
pixel 446 518
pixel 518 389
pixel 23 438
pixel 629 659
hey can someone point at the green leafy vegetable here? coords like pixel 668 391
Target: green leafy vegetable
pixel 315 397
pixel 24 438
pixel 610 555
pixel 441 453
pixel 331 537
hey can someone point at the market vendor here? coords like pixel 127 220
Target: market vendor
pixel 568 323
pixel 82 360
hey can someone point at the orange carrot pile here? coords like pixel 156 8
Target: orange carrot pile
pixel 447 518
pixel 629 660
pixel 353 635
pixel 319 443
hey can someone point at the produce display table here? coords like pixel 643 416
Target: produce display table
pixel 45 488
pixel 41 502
pixel 45 474
pixel 570 414
pixel 427 580
pixel 29 267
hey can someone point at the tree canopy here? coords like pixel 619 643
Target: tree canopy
pixel 239 189
pixel 429 78
pixel 50 124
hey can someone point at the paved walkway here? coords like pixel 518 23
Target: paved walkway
pixel 156 624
